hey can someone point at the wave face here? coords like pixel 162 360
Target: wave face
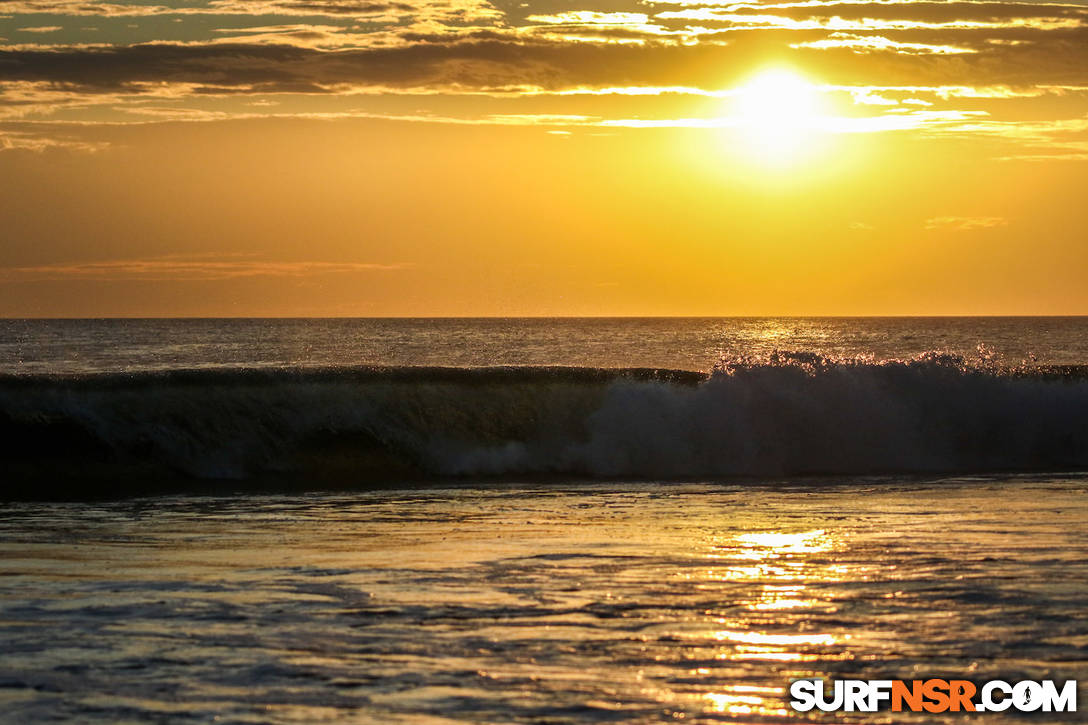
pixel 779 415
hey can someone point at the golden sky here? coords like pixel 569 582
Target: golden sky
pixel 551 157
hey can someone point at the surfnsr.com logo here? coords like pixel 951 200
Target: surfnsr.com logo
pixel 934 695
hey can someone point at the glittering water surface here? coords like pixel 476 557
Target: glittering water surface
pixel 597 603
pixel 80 346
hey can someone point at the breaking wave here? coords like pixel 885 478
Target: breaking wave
pixel 780 415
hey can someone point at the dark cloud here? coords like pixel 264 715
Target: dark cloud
pixel 929 12
pixel 1019 43
pixel 492 60
pixel 336 7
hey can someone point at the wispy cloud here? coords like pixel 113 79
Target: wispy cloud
pixel 184 269
pixel 837 22
pixel 78 8
pixel 966 223
pixel 873 43
pixel 1056 139
pixel 590 17
pixel 42 141
pixel 375 10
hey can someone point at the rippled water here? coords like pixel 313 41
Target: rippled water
pixel 37 346
pixel 617 603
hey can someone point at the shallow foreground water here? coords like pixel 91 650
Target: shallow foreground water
pixel 608 602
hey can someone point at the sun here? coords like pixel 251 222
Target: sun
pixel 778 113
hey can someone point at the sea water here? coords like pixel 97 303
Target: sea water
pixel 631 521
pixel 125 345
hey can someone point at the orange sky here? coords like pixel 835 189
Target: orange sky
pixel 467 157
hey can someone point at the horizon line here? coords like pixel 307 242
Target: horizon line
pixel 60 318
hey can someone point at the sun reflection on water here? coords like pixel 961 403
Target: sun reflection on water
pixel 785 640
pixel 774 544
pixel 774 584
pixel 746 700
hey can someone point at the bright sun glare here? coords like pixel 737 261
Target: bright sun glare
pixel 778 113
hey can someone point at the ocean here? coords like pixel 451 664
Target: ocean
pixel 535 520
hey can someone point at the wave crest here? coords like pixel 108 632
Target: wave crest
pixel 787 413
